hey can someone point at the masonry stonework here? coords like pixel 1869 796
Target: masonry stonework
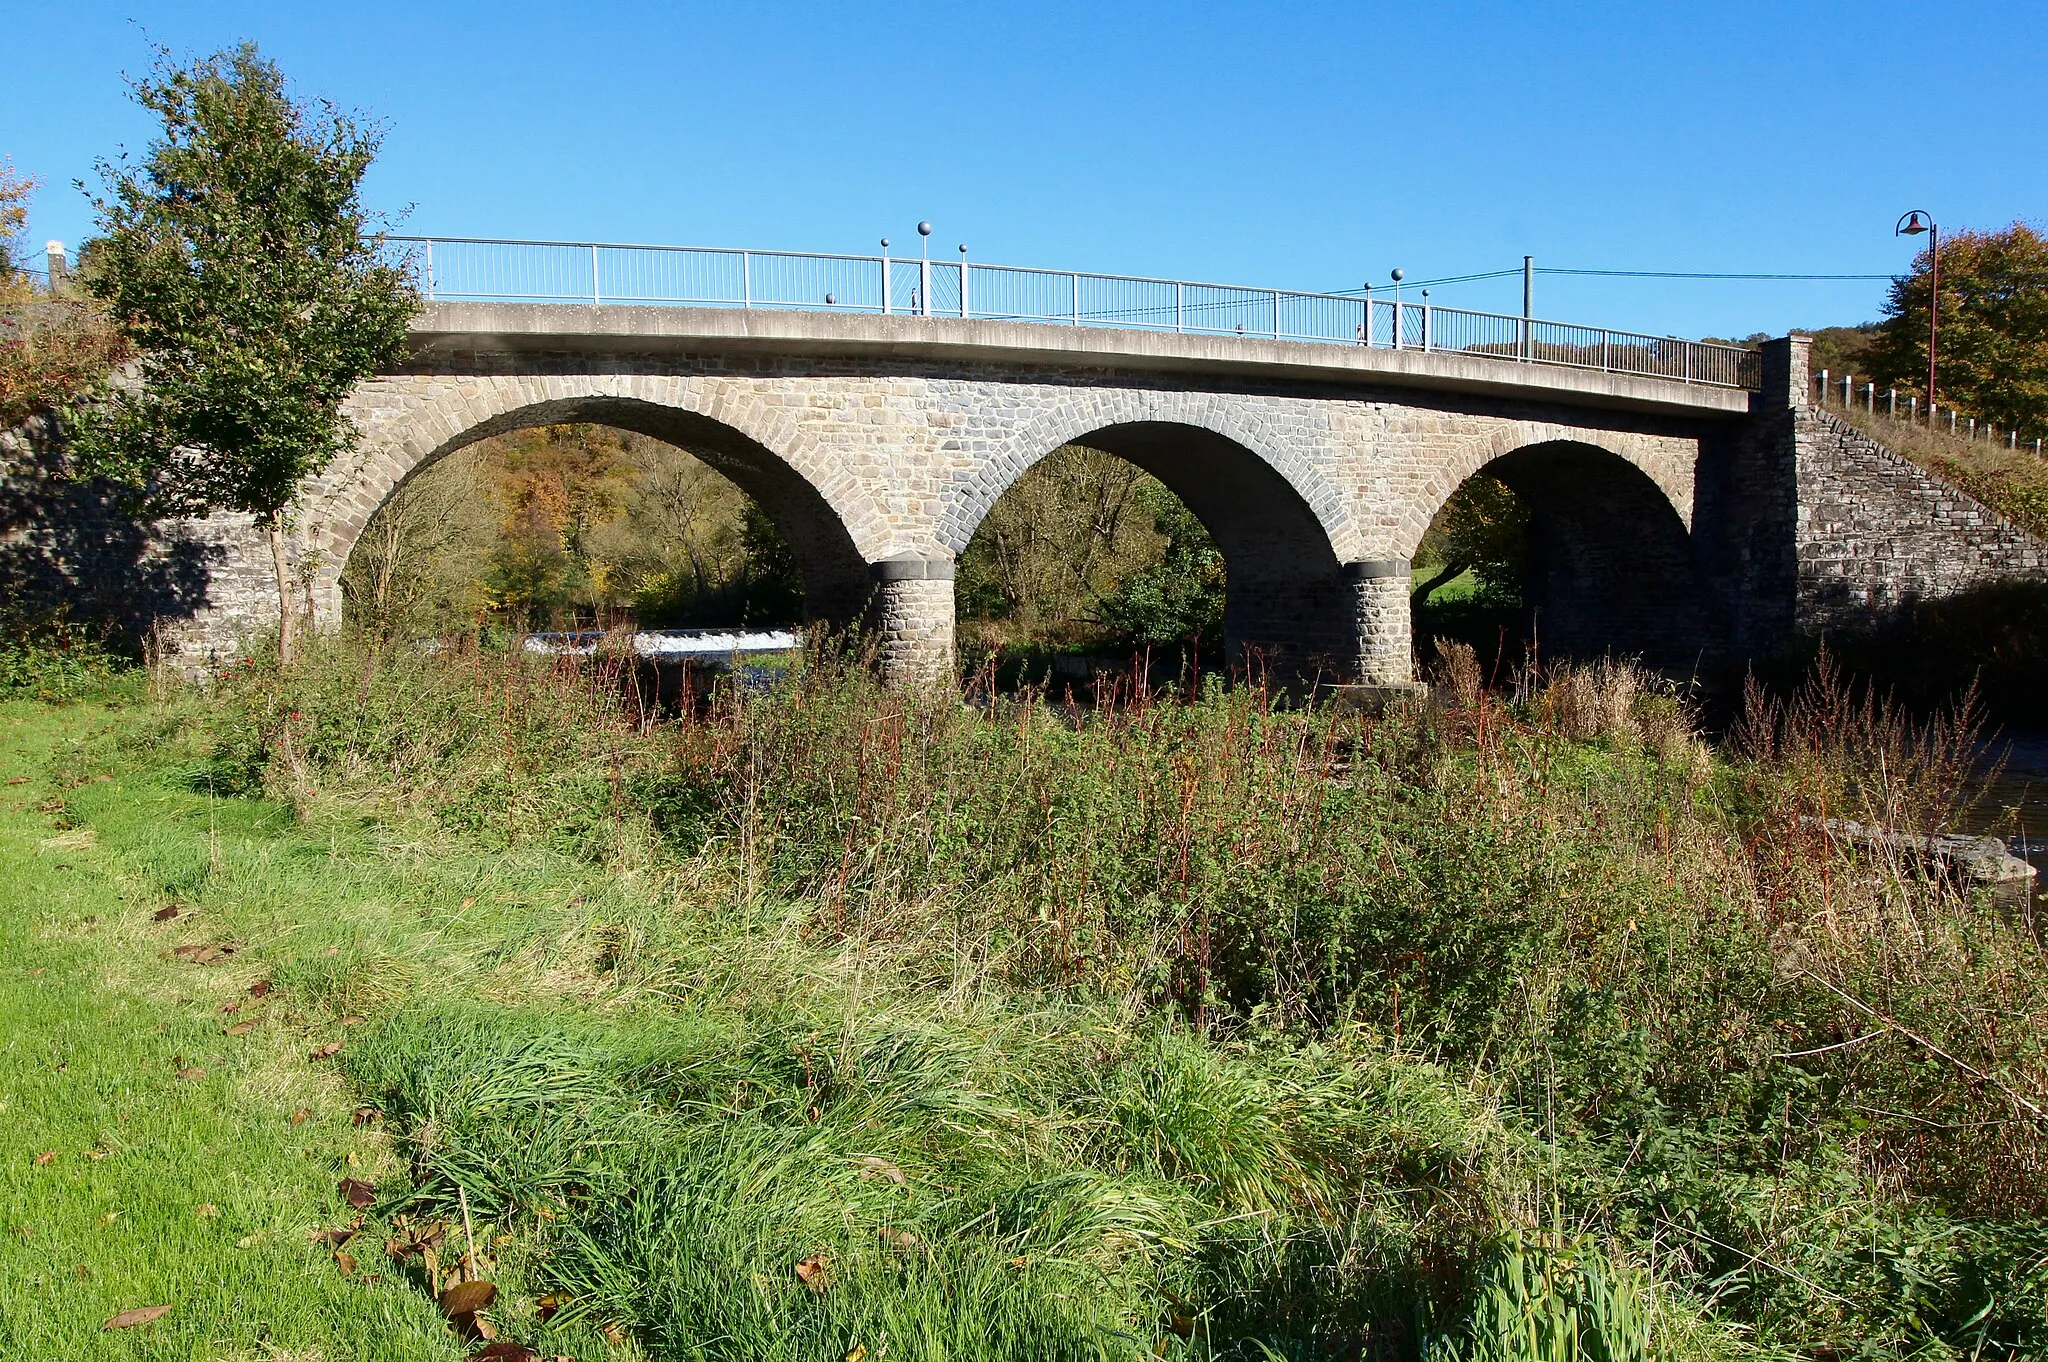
pixel 1667 519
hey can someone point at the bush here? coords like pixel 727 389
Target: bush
pixel 56 663
pixel 1268 1021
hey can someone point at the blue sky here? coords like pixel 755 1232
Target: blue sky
pixel 1305 145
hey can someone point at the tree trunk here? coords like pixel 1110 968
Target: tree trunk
pixel 1449 573
pixel 274 531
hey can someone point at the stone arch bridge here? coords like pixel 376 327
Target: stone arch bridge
pixel 1682 522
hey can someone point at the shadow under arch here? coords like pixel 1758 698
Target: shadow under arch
pixel 1612 567
pixel 1286 600
pixel 835 575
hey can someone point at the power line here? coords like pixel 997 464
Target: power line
pixel 1687 274
pixel 1621 274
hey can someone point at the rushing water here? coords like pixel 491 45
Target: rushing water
pixel 2015 802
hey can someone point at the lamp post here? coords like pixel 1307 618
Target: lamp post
pixel 1913 224
pixel 924 270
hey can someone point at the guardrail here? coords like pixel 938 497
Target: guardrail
pixel 482 269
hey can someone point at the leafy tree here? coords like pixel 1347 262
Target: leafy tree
pixel 1482 529
pixel 14 195
pixel 52 348
pixel 238 258
pixel 1180 598
pixel 1993 348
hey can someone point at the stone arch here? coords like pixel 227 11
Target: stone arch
pixel 1289 454
pixel 765 459
pixel 1613 564
pixel 1671 472
pixel 1279 523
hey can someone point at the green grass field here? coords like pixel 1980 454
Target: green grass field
pixel 831 1025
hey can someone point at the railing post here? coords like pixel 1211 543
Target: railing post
pixel 1180 313
pixel 1891 404
pixel 1077 298
pixel 595 295
pixel 1425 321
pixel 430 269
pixel 1822 379
pixel 924 287
pixel 1397 320
pixel 1276 314
pixel 963 282
pixel 1848 391
pixel 746 279
pixel 1606 351
pixel 886 306
pixel 1687 346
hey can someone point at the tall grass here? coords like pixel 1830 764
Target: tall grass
pixel 1203 1026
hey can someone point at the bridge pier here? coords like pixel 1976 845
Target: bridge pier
pixel 912 615
pixel 1381 621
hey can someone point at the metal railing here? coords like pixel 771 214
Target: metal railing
pixel 480 269
pixel 1851 393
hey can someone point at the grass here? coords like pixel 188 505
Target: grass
pixel 824 1023
pixel 150 1159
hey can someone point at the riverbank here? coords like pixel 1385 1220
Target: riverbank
pixel 822 1022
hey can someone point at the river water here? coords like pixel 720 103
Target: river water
pixel 2015 802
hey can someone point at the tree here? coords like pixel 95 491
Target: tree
pixel 52 348
pixel 1993 347
pixel 1483 529
pixel 240 261
pixel 1180 598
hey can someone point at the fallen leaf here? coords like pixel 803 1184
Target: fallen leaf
pixel 505 1352
pixel 330 1049
pixel 332 950
pixel 242 1028
pixel 110 1217
pixel 47 1157
pixel 469 902
pixel 300 1116
pixel 903 1241
pixel 345 1261
pixel 353 1020
pixel 192 1073
pixel 336 1237
pixel 23 780
pixel 547 1306
pixel 615 1333
pixel 164 914
pixel 208 1212
pixel 259 988
pixel 875 1169
pixel 356 1193
pixel 857 1353
pixel 466 1298
pixel 231 1007
pixel 143 1314
pixel 364 1115
pixel 1181 1325
pixel 812 1271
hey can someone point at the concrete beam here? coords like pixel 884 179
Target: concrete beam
pixel 553 328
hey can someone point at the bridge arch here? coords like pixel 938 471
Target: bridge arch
pixel 770 465
pixel 1613 567
pixel 1277 520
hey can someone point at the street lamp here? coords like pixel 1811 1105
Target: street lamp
pixel 1913 224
